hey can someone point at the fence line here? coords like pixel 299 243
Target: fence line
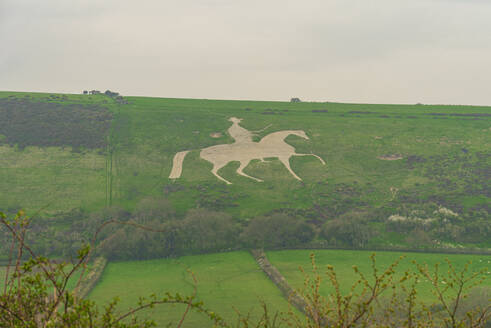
pixel 293 297
pixel 92 278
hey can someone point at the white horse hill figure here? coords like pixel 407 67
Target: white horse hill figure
pixel 244 149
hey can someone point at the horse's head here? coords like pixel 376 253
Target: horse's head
pixel 301 134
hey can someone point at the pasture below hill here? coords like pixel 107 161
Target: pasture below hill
pixel 233 280
pixel 225 281
pixel 289 261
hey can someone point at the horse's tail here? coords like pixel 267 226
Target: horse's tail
pixel 177 164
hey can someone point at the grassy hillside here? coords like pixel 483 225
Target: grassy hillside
pixel 416 163
pixel 288 263
pixel 225 281
pixel 444 152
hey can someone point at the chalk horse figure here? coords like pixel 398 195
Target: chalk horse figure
pixel 244 150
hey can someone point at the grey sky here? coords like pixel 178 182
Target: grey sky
pixel 378 51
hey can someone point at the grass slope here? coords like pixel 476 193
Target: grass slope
pixel 443 150
pixel 224 280
pixel 288 263
pixel 51 178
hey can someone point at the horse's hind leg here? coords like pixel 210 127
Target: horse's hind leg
pixel 215 169
pixel 240 171
pixel 286 162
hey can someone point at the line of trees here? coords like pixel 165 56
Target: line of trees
pixel 204 231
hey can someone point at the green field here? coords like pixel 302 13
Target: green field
pixel 234 279
pixel 288 263
pixel 225 280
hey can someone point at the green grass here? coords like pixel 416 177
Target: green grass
pixel 288 263
pixel 225 280
pixel 51 178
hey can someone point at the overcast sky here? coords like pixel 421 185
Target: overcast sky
pixel 376 51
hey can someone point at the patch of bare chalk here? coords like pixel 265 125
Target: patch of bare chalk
pixel 391 157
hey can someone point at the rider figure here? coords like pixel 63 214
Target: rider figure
pixel 237 132
pixel 240 134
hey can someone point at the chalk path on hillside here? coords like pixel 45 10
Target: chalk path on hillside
pixel 177 164
pixel 244 149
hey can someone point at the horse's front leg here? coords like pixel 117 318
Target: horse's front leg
pixel 241 168
pixel 286 162
pixel 215 169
